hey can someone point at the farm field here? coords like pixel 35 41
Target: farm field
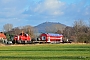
pixel 45 52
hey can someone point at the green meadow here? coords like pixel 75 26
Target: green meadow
pixel 45 52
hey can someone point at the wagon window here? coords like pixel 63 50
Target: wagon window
pixel 43 38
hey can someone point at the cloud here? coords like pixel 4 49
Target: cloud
pixel 32 12
pixel 11 8
pixel 58 10
pixel 78 10
pixel 52 7
pixel 45 10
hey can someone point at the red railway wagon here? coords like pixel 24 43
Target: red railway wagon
pixel 51 37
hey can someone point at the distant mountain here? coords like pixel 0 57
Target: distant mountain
pixel 48 27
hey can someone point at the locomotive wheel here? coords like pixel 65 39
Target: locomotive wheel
pixel 25 41
pixel 13 41
pixel 20 41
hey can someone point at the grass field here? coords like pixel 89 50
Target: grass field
pixel 46 52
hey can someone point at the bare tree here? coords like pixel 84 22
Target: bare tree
pixel 7 27
pixel 16 31
pixel 68 32
pixel 80 31
pixel 29 29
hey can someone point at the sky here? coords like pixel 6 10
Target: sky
pixel 34 12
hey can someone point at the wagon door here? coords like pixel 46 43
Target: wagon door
pixel 48 39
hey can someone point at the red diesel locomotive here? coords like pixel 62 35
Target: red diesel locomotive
pixel 22 38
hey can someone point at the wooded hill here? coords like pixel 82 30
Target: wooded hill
pixel 50 27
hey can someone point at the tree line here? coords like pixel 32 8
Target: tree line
pixel 11 32
pixel 79 32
